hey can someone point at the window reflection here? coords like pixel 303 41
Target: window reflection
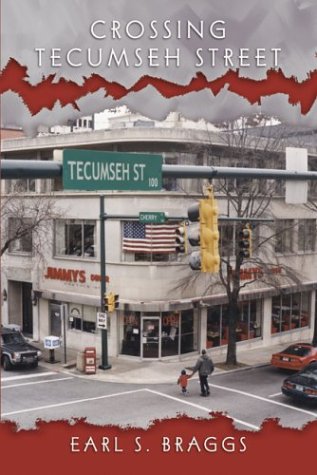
pixel 248 325
pixel 290 311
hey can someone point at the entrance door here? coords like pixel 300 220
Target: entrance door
pixel 27 311
pixel 56 319
pixel 151 337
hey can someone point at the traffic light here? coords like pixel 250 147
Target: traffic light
pixel 111 302
pixel 209 234
pixel 206 236
pixel 116 301
pixel 245 241
pixel 180 239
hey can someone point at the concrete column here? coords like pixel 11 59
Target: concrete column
pixel 4 303
pixel 44 319
pixel 113 349
pixel 202 338
pixel 36 319
pixel 312 312
pixel 267 321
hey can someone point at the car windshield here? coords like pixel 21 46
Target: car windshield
pixel 13 338
pixel 310 373
pixel 297 350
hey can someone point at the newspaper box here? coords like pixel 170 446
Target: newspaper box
pixel 90 360
pixel 52 342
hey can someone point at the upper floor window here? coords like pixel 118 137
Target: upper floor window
pixel 20 234
pixel 307 235
pixel 284 236
pixel 74 237
pixel 170 183
pixel 22 185
pixel 229 238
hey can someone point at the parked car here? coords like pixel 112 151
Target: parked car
pixel 16 351
pixel 302 385
pixel 295 356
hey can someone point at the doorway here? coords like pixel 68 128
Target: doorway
pixel 27 309
pixel 151 337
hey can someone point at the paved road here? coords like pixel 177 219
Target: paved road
pixel 248 396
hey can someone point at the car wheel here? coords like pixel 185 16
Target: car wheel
pixel 35 365
pixel 6 363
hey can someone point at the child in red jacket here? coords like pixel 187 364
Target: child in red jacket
pixel 183 381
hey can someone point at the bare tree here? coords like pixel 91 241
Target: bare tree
pixel 243 146
pixel 26 223
pixel 248 199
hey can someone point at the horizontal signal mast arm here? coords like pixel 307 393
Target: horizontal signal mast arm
pixel 11 169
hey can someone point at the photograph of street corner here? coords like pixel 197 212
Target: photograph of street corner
pixel 124 275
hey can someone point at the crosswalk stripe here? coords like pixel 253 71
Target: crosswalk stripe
pixel 27 376
pixel 8 386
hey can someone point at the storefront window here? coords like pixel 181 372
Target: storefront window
pixel 290 312
pixel 170 333
pixel 248 325
pixel 304 310
pixel 131 334
pixel 154 334
pixel 214 326
pixel 82 317
pixel 188 337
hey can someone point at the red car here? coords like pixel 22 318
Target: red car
pixel 295 356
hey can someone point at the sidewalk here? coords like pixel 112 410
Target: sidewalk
pixel 132 371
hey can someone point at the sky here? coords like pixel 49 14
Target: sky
pixel 123 41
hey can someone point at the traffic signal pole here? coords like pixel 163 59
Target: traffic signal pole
pixel 104 332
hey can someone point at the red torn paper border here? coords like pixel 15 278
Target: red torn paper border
pixel 180 444
pixel 45 94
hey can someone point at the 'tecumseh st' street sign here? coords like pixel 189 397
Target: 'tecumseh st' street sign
pixel 93 170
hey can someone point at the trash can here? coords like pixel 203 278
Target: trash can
pixel 80 361
pixel 90 364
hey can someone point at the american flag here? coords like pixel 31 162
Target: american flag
pixel 140 237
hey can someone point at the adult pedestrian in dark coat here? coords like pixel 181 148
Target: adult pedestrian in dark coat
pixel 205 367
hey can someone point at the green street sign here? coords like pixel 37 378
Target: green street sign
pixel 152 217
pixel 93 170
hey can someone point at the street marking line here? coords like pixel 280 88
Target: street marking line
pixel 224 388
pixel 36 382
pixel 202 408
pixel 69 403
pixel 27 376
pixel 276 394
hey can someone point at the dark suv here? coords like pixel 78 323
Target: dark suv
pixel 16 351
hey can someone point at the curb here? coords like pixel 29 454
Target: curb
pixel 243 368
pixel 117 378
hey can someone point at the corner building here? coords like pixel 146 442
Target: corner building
pixel 165 308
